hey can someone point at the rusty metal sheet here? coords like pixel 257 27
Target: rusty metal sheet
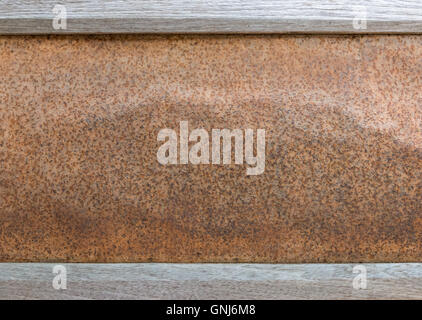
pixel 80 123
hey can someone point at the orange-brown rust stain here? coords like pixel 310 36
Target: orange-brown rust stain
pixel 79 178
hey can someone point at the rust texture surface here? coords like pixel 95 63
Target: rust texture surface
pixel 80 180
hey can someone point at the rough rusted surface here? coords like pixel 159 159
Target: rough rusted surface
pixel 80 181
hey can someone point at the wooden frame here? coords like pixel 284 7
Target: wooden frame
pixel 211 281
pixel 217 16
pixel 181 281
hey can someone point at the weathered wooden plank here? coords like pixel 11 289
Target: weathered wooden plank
pixel 217 16
pixel 211 281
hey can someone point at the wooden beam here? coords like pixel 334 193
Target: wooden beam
pixel 217 16
pixel 211 281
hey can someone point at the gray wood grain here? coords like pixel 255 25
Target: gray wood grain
pixel 210 281
pixel 216 16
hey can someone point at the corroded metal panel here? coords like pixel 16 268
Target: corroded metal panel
pixel 79 124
